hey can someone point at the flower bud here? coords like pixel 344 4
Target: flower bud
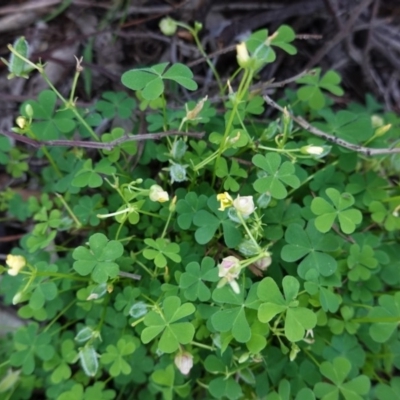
pixel 382 130
pixel 244 205
pixel 21 122
pixel 97 292
pixel 16 263
pixel 313 150
pixel 184 362
pixel 243 358
pixel 293 352
pixel 248 248
pixel 168 26
pixel 316 151
pixel 17 298
pixel 192 114
pixel 29 111
pixel 84 335
pixel 376 121
pixel 178 149
pixel 172 205
pixel 242 56
pixel 263 263
pixel 264 200
pixel 138 309
pixel 158 194
pixel 89 360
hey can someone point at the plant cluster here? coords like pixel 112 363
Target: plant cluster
pixel 259 261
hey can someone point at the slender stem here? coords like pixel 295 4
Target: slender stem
pixel 251 237
pixel 70 212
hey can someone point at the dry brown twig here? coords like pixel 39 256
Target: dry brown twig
pixel 333 139
pixel 99 145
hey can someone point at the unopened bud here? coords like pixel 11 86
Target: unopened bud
pixel 192 114
pixel 29 111
pixel 242 55
pixel 382 130
pixel 21 122
pixel 168 26
pixel 184 362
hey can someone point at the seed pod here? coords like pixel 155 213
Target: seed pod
pixel 17 66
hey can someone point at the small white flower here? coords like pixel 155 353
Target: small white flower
pixel 16 263
pixel 184 362
pixel 229 268
pixel 157 193
pixel 244 205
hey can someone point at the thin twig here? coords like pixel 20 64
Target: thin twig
pixel 136 277
pixel 98 145
pixel 340 142
pixel 347 28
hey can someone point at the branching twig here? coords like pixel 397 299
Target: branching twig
pixel 340 142
pixel 98 145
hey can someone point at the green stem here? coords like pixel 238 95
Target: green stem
pixel 166 224
pixel 203 346
pixel 251 237
pixel 70 212
pixel 195 35
pixel 63 311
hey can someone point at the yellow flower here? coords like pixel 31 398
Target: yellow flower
pixel 16 263
pixel 225 200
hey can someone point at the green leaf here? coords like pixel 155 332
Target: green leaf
pixel 160 250
pixel 48 123
pixel 192 283
pixel 312 92
pixel 282 37
pixel 29 343
pixel 115 356
pixel 116 104
pixel 225 387
pixel 297 320
pixel 312 247
pixel 385 317
pixel 337 208
pixel 277 174
pixel 337 373
pixel 209 223
pixel 181 74
pixel 384 392
pixel 173 333
pixel 150 80
pixel 233 319
pixel 99 260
